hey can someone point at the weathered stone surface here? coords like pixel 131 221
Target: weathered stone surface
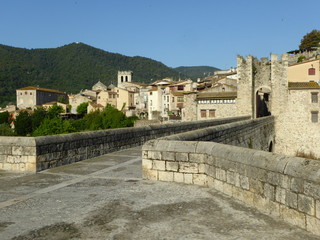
pixel 159 165
pixel 154 155
pixel 165 176
pixel 172 166
pixel 188 167
pixel 269 191
pixel 178 177
pixel 244 182
pixel 266 206
pixel 297 185
pixel 256 186
pixel 168 156
pixel 188 178
pixel 149 174
pixel 182 157
pixel 313 225
pixel 200 179
pixel 306 204
pixel 146 163
pixel 318 209
pixel 292 216
pixel 281 195
pixel 197 158
pixel 291 199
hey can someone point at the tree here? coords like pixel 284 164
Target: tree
pixel 5 130
pixel 37 117
pixel 54 111
pixel 82 108
pixel 4 117
pixel 113 118
pixel 23 124
pixel 62 99
pixel 311 39
pixel 53 126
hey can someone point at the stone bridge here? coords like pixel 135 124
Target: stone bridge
pixel 222 154
pixel 225 158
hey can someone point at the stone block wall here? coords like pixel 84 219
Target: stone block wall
pixel 17 153
pixel 282 186
pixel 285 187
pixel 257 134
pixel 39 153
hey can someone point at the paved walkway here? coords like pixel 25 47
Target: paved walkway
pixel 105 198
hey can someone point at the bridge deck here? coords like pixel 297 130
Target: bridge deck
pixel 105 198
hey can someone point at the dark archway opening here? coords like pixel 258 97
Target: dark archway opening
pixel 270 147
pixel 262 104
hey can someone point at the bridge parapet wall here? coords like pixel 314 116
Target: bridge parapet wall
pixel 38 153
pixel 285 187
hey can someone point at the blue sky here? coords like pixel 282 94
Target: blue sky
pixel 175 32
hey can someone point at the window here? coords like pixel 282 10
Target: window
pixel 150 93
pixel 172 99
pixel 314 116
pixel 180 87
pixel 121 78
pixel 312 71
pixel 203 113
pixel 31 93
pixel 212 113
pixel 314 97
pixel 180 99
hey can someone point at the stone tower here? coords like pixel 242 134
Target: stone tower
pixel 262 86
pixel 124 77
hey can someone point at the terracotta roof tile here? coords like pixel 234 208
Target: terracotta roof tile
pixel 303 85
pixel 216 95
pixel 41 89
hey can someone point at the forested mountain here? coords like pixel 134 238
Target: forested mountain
pixel 196 72
pixel 70 68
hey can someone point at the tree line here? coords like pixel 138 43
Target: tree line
pixel 70 68
pixel 43 122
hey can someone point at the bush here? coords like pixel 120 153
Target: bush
pixel 5 130
pixel 82 109
pixel 53 126
pixel 23 124
pixel 4 117
pixel 38 117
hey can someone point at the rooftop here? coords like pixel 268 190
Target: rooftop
pixel 41 89
pixel 303 85
pixel 217 95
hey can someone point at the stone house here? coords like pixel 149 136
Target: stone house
pixel 215 104
pixel 76 99
pixel 29 97
pixel 307 71
pixel 154 102
pixel 107 97
pixel 92 107
pixel 99 86
pixel 299 123
pixel 50 104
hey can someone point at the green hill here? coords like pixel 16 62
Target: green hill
pixel 70 68
pixel 196 72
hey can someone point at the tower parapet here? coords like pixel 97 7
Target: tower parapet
pixel 124 77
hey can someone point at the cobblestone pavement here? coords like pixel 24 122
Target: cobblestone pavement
pixel 106 198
